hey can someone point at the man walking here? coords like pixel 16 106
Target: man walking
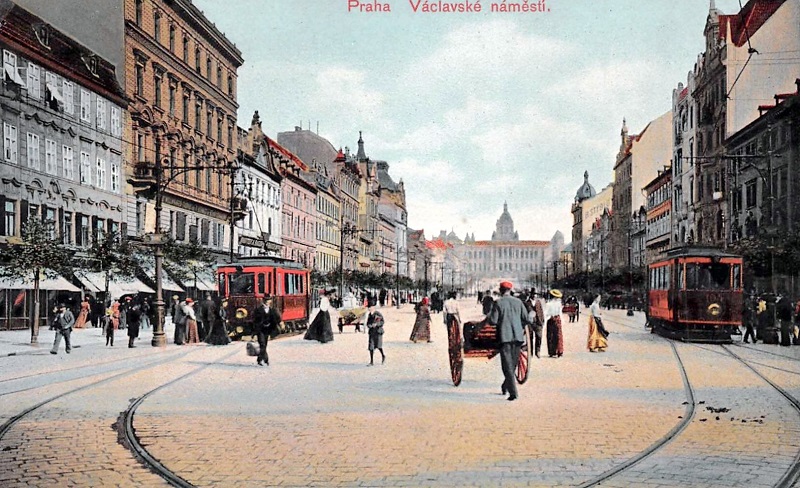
pixel 266 321
pixel 536 316
pixel 63 322
pixel 509 315
pixel 749 316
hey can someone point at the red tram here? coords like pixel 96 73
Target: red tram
pixel 245 282
pixel 695 295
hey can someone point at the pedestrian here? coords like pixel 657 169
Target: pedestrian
pixel 749 316
pixel 552 313
pixel 320 328
pixel 115 307
pixel 98 310
pixel 535 318
pixel 266 321
pixel 123 312
pixel 783 311
pixel 487 303
pixel 204 316
pixel 510 316
pixel 192 336
pixel 144 317
pixel 218 333
pixel 422 324
pixel 134 319
pixel 597 341
pixel 83 314
pixel 179 321
pixel 107 323
pixel 480 298
pixel 375 328
pixel 451 311
pixel 62 323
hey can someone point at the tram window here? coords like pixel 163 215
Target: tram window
pixel 666 278
pixel 242 284
pixel 737 276
pixel 261 285
pixel 680 277
pixel 708 276
pixel 288 287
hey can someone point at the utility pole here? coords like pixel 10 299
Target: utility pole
pixel 232 209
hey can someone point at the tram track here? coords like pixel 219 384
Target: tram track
pixel 134 369
pixel 136 447
pixel 792 475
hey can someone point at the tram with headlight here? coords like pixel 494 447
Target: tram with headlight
pixel 695 294
pixel 244 283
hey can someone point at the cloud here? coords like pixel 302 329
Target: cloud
pixel 345 91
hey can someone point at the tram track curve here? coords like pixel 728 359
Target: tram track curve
pixel 136 447
pixel 792 475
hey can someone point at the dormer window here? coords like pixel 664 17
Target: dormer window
pixel 42 32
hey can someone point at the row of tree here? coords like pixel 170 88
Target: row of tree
pixel 40 253
pixel 362 279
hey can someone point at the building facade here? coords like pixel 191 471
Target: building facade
pixel 584 193
pixel 659 228
pixel 63 112
pixel 683 162
pixel 180 77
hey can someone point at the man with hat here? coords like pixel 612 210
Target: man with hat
pixel 509 315
pixel 62 323
pixel 266 321
pixel 552 313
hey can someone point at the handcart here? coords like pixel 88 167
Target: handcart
pixel 480 341
pixel 351 316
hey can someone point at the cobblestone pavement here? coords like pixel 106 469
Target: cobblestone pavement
pixel 318 416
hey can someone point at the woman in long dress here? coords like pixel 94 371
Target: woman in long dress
pixel 218 333
pixel 552 312
pixel 192 336
pixel 375 328
pixel 597 333
pixel 320 329
pixel 422 324
pixel 83 315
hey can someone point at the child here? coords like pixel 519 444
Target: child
pixel 107 322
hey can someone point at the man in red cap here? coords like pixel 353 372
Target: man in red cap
pixel 509 315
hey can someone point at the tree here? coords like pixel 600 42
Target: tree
pixel 112 255
pixel 183 261
pixel 39 253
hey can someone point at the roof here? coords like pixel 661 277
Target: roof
pixel 747 22
pixel 510 243
pixel 286 154
pixel 699 251
pixel 309 146
pixel 438 244
pixel 384 180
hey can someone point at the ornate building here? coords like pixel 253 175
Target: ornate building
pixel 505 256
pixel 180 76
pixel 584 193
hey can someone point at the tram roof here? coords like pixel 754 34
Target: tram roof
pixel 262 261
pixel 699 251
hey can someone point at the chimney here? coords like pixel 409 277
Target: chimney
pixel 297 128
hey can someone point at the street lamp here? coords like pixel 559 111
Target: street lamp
pixel 151 180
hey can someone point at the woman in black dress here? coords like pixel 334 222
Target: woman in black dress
pixel 218 335
pixel 320 329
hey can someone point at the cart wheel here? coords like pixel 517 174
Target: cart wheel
pixel 524 354
pixel 454 348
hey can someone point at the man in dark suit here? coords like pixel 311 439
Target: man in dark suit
pixel 510 316
pixel 488 301
pixel 265 321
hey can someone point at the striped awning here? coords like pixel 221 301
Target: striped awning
pixel 59 283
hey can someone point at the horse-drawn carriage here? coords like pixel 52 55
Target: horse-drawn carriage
pixel 479 340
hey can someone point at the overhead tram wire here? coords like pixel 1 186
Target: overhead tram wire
pixel 750 51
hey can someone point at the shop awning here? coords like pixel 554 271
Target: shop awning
pixel 204 282
pixel 117 286
pixel 167 283
pixel 58 283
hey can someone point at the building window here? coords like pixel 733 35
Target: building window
pixel 171 38
pixel 140 80
pixel 10 65
pixel 185 166
pixel 100 181
pixel 116 123
pixel 171 100
pixel 208 180
pixel 750 193
pixel 220 124
pixel 157 89
pixel 99 229
pixel 83 231
pixel 115 176
pixel 69 97
pixel 230 134
pixel 86 169
pixel 9 218
pixel 157 26
pixel 208 68
pixel 186 108
pixel 139 6
pixel 230 85
pixel 185 48
pixel 10 143
pixel 219 76
pixel 198 115
pixel 66 228
pixel 67 162
pixel 172 162
pixel 50 153
pixel 209 122
pixel 33 151
pixel 34 81
pixel 101 114
pixel 198 177
pixel 86 106
pixel 197 59
pixel 140 146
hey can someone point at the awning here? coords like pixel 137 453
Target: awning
pixel 117 286
pixel 55 93
pixel 205 282
pixel 13 75
pixel 58 284
pixel 167 283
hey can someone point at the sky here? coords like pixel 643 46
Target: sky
pixel 470 110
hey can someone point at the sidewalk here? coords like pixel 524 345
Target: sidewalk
pixel 18 342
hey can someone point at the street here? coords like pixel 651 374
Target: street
pixel 319 416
